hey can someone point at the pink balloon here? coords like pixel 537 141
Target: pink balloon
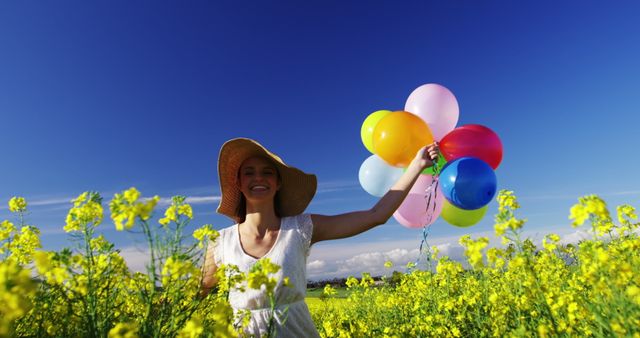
pixel 422 184
pixel 414 211
pixel 403 221
pixel 437 106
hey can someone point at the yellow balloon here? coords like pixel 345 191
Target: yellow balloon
pixel 460 217
pixel 398 136
pixel 366 132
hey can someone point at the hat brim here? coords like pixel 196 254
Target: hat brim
pixel 296 191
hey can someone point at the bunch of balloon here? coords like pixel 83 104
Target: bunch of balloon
pixel 468 181
pixel 394 138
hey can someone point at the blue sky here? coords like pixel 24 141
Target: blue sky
pixel 106 95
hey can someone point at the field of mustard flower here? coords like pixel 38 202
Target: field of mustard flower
pixel 591 288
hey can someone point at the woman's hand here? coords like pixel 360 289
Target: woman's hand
pixel 427 155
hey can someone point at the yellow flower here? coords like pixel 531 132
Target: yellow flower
pixel 178 207
pixel 126 208
pixel 170 215
pixel 99 244
pixel 17 290
pixel 192 329
pixel 185 210
pixel 591 206
pixel 543 330
pixel 178 269
pixel 626 211
pixel 205 233
pixel 578 214
pixel 351 282
pixel 328 290
pixel 494 257
pixel 549 242
pixel 86 210
pixel 434 252
pixel 474 249
pixel 506 199
pixel 131 195
pixel 42 261
pixel 261 273
pixel 124 330
pixel 17 204
pixel 6 229
pixel 328 328
pixel 634 293
pixel 24 244
pixel 366 280
pixel 500 228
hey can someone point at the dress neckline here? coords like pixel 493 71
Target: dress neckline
pixel 237 227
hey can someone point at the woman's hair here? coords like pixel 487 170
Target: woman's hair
pixel 241 210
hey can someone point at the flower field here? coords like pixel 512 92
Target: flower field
pixel 591 288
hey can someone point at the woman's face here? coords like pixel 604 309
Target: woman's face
pixel 258 179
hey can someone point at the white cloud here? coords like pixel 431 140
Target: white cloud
pixel 454 251
pixel 335 186
pixel 575 237
pixel 52 201
pixel 193 200
pixel 136 258
pixel 371 262
pixel 316 266
pixel 44 202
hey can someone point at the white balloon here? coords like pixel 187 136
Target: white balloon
pixel 377 177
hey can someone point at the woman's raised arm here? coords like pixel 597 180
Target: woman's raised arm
pixel 353 223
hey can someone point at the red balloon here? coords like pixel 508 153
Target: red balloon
pixel 472 140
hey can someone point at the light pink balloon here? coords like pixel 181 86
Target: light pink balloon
pixel 403 221
pixel 414 211
pixel 422 184
pixel 437 106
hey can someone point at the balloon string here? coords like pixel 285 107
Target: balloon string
pixel 427 249
pixel 431 191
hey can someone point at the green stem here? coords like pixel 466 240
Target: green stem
pixel 91 297
pixel 153 276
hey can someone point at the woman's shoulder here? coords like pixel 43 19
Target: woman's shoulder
pixel 300 223
pixel 296 220
pixel 228 229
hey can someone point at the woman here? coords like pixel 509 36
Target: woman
pixel 266 198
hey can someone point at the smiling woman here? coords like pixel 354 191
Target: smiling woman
pixel 267 198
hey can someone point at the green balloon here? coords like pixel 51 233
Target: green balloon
pixel 460 217
pixel 369 124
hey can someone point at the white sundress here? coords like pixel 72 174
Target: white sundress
pixel 290 252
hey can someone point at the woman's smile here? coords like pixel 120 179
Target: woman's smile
pixel 258 178
pixel 259 188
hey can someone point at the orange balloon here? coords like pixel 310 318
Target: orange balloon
pixel 398 136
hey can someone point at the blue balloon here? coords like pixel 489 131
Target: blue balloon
pixel 377 177
pixel 468 183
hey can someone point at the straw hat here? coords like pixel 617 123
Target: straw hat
pixel 295 193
